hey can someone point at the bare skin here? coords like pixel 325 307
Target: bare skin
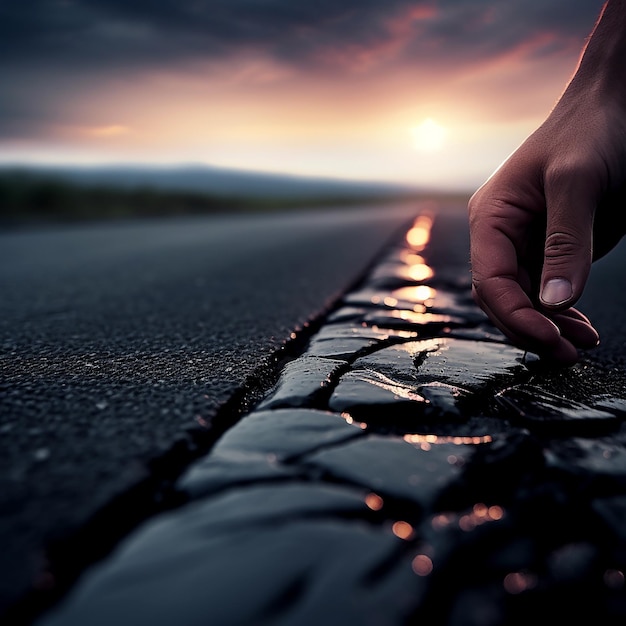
pixel 557 204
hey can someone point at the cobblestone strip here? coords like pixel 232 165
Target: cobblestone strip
pixel 410 467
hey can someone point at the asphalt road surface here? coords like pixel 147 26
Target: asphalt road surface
pixel 117 339
pixel 123 343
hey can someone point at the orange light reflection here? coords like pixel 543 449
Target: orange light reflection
pixel 381 381
pixel 410 258
pixel 422 565
pixel 420 272
pixel 403 530
pixel 419 234
pixel 439 439
pixel 517 582
pixel 442 520
pixel 420 293
pixel 374 501
pixel 480 514
pixel 350 420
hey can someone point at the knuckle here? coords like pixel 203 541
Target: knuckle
pixel 474 204
pixel 562 246
pixel 575 172
pixel 480 295
pixel 490 289
pixel 561 173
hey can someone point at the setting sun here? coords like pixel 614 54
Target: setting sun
pixel 422 93
pixel 429 136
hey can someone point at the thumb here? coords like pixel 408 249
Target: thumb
pixel 568 246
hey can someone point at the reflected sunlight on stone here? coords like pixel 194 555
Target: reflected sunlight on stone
pixel 420 271
pixel 405 315
pixel 383 382
pixel 518 582
pixel 410 258
pixel 422 565
pixel 350 420
pixel 403 530
pixel 443 520
pixel 418 294
pixel 419 235
pixel 420 440
pixel 374 501
pixel 402 334
pixel 480 514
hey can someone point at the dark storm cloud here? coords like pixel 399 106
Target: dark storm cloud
pixel 113 34
pixel 53 50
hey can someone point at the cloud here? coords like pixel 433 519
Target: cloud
pixel 107 35
pixel 53 52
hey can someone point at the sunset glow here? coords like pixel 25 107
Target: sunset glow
pixel 435 94
pixel 429 136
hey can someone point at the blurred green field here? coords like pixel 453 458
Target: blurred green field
pixel 36 199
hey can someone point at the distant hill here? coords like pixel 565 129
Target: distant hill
pixel 31 196
pixel 205 179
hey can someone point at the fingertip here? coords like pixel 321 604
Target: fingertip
pixel 589 340
pixel 577 329
pixel 556 292
pixel 563 355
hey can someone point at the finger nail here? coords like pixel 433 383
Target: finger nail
pixel 556 291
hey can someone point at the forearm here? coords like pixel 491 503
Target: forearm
pixel 602 67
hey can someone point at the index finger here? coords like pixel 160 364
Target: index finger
pixel 495 277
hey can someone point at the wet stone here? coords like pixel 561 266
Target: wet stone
pixel 394 468
pixel 440 299
pixel 340 348
pixel 339 341
pixel 367 297
pixel 228 469
pixel 511 457
pixel 588 456
pixel 612 511
pixel 346 314
pixel 536 408
pixel 444 399
pixel 572 562
pixel 613 405
pixel 372 397
pixel 494 465
pixel 391 275
pixel 472 552
pixel 286 433
pixel 476 607
pixel 469 365
pixel 303 382
pixel 484 332
pixel 289 551
pixel 420 300
pixel 256 505
pixel 422 323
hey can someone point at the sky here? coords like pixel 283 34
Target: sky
pixel 427 92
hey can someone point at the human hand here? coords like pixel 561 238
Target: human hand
pixel 536 225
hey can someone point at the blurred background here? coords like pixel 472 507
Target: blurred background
pixel 115 108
